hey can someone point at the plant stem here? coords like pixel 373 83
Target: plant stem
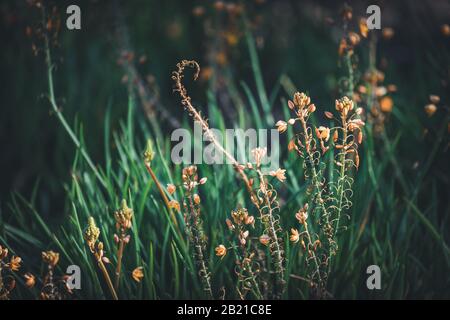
pixel 107 279
pixel 270 224
pixel 119 262
pixel 341 182
pixel 163 194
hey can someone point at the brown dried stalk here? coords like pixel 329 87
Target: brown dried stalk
pixel 178 76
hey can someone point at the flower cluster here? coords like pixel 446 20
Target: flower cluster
pixel 7 268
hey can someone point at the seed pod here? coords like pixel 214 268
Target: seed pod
pixel 328 114
pixel 357 161
pixel 360 136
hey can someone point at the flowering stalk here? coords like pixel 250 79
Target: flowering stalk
pixel 246 268
pixel 267 205
pixel 351 129
pixel 91 236
pixel 305 145
pixel 191 206
pixel 148 157
pixel 53 288
pixel 123 218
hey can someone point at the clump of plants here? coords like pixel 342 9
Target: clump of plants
pixel 323 217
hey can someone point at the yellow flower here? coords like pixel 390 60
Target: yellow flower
pixel 92 233
pixel 264 239
pixel 196 198
pixel 14 263
pixel 279 174
pixel 386 104
pixel 221 251
pixel 50 257
pixel 323 133
pixel 137 274
pixel 281 126
pixel 294 235
pixel 173 204
pixel 430 109
pixel 171 188
pixel 30 280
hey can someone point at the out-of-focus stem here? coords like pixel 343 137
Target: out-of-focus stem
pixel 119 262
pixel 107 279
